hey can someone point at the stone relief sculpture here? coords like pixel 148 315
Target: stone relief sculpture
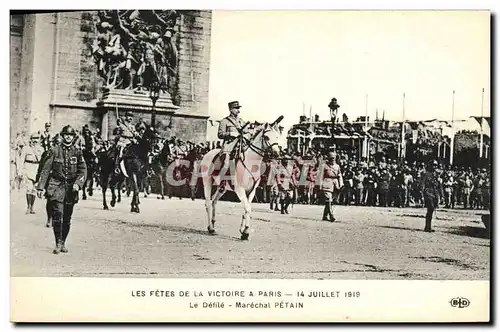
pixel 135 48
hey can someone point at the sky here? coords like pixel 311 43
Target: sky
pixel 274 61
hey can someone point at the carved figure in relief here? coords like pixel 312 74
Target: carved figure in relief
pixel 134 48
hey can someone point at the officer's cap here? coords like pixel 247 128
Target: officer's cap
pixel 234 104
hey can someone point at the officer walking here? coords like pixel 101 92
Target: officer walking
pixel 63 174
pixel 331 185
pixel 431 190
pixel 29 160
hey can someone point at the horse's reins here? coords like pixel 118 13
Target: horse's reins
pixel 260 151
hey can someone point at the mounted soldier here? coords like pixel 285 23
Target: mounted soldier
pixel 231 132
pixel 127 134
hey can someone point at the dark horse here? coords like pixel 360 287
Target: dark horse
pixel 90 161
pixel 135 161
pixel 159 166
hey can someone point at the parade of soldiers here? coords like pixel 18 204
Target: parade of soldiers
pixel 55 165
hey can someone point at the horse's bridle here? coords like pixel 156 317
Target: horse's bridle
pixel 260 151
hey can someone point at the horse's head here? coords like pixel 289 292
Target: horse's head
pixel 268 136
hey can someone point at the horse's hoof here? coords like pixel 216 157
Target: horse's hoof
pixel 84 198
pixel 112 203
pixel 244 236
pixel 211 231
pixel 90 193
pixel 137 210
pixel 163 198
pixel 47 225
pixel 105 207
pixel 119 200
pixel 157 197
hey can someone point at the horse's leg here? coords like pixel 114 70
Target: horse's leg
pixel 245 219
pixel 162 187
pixel 207 189
pixel 84 194
pixel 104 188
pixel 112 186
pixel 134 205
pixel 120 188
pixel 90 179
pixel 164 184
pixel 215 198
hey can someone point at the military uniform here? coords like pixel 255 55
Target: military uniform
pixel 29 160
pixel 125 134
pixel 229 131
pixel 286 183
pixel 46 137
pixel 63 168
pixel 431 192
pixel 330 186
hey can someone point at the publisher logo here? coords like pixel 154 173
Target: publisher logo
pixel 460 302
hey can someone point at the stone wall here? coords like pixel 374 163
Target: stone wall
pixel 194 62
pixel 58 79
pixel 16 46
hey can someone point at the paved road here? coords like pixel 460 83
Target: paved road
pixel 169 239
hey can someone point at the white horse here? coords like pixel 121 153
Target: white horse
pixel 244 173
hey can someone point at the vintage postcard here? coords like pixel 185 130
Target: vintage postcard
pixel 177 165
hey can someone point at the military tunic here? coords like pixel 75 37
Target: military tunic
pixel 29 159
pixel 431 189
pixel 126 132
pixel 46 140
pixel 63 167
pixel 228 131
pixel 332 182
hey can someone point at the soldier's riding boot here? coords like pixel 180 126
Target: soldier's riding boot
pixel 28 203
pixel 57 225
pixel 118 160
pixel 282 204
pixel 65 232
pixel 33 197
pixel 428 221
pixel 330 212
pixel 287 204
pixel 325 212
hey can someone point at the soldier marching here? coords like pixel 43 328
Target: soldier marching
pixel 54 165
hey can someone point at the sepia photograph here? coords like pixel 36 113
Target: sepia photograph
pixel 285 146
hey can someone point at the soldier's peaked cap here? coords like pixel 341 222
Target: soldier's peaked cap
pixel 128 113
pixel 234 104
